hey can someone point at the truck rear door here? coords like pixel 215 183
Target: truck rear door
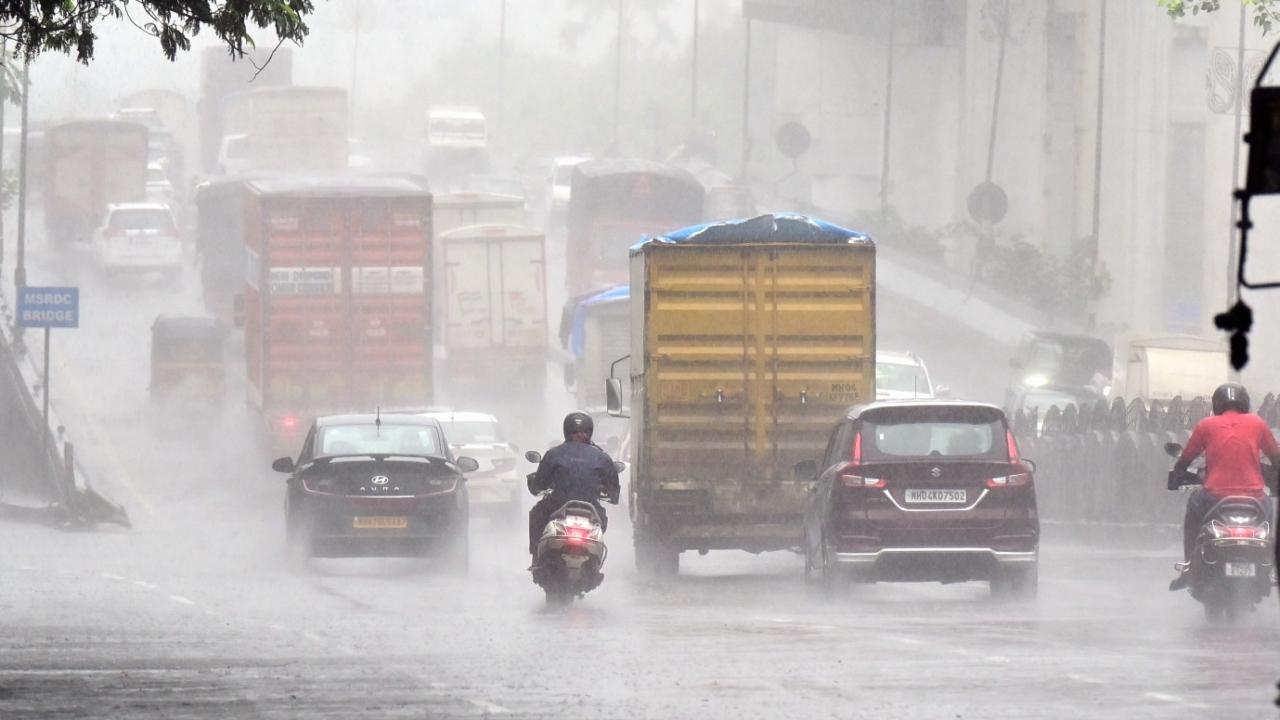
pixel 752 351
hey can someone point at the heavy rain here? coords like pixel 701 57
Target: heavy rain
pixel 638 359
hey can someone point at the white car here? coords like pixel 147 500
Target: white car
pixel 903 376
pixel 139 236
pixel 496 487
pixel 233 154
pixel 159 189
pixel 560 179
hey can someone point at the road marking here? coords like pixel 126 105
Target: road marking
pixel 109 576
pixel 182 600
pixel 1084 679
pixel 145 584
pixel 26 568
pixel 996 659
pixel 489 707
pixel 1165 697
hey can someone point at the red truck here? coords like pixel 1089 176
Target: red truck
pixel 91 164
pixel 613 204
pixel 337 299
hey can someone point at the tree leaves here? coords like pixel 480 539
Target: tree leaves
pixel 1266 13
pixel 67 26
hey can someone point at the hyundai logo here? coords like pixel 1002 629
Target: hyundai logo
pixel 936 472
pixel 379 479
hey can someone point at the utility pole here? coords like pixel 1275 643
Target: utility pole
pixel 20 272
pixel 4 100
pixel 617 88
pixel 693 75
pixel 746 105
pixel 888 111
pixel 1097 142
pixel 1233 249
pixel 502 67
pixel 355 60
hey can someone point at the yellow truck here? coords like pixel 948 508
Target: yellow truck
pixel 748 340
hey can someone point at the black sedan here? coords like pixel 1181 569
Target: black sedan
pixel 376 485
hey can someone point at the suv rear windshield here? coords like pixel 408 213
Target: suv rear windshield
pixel 141 220
pixel 930 432
pixel 469 432
pixel 372 440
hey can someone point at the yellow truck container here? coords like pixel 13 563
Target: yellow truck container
pixel 749 339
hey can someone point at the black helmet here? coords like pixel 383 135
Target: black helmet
pixel 1230 396
pixel 578 422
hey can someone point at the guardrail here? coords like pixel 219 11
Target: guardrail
pixel 39 459
pixel 1105 463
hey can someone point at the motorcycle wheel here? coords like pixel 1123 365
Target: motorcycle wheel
pixel 558 598
pixel 1238 603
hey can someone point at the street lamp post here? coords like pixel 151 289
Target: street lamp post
pixel 20 272
pixel 617 88
pixel 693 74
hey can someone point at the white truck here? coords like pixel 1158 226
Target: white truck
pixel 293 129
pixel 492 320
pixel 1163 367
pixel 457 146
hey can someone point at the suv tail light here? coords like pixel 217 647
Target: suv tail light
pixel 851 475
pixel 1014 480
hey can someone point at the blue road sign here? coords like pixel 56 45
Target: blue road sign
pixel 49 307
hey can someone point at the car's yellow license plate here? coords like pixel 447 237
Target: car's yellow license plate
pixel 380 522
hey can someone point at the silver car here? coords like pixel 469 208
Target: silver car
pixel 495 488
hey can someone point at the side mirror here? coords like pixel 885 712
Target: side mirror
pixel 283 465
pixel 941 391
pixel 237 310
pixel 619 466
pixel 533 456
pixel 805 469
pixel 467 464
pixel 1172 449
pixel 613 396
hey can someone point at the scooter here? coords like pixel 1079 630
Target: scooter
pixel 1232 561
pixel 571 552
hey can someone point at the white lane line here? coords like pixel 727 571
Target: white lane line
pixel 26 568
pixel 110 576
pixel 1084 679
pixel 1165 697
pixel 996 659
pixel 182 600
pixel 145 584
pixel 489 707
pixel 907 640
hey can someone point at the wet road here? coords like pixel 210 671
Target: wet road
pixel 193 613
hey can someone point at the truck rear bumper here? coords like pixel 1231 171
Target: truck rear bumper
pixel 1000 556
pixel 726 534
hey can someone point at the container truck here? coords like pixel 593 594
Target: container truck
pixel 294 130
pixel 1168 366
pixel 596 332
pixel 461 209
pixel 748 338
pixel 493 318
pixel 91 164
pixel 337 308
pixel 221 76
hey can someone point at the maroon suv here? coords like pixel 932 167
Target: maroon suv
pixel 922 491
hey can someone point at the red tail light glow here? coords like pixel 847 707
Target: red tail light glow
pixel 857 449
pixel 289 423
pixel 577 534
pixel 1013 448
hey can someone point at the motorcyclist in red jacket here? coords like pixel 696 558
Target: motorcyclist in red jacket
pixel 1231 440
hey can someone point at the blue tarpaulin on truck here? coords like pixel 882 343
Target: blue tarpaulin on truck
pixel 774 228
pixel 618 293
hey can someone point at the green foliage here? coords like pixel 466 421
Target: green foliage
pixel 1266 13
pixel 888 229
pixel 1062 287
pixel 33 27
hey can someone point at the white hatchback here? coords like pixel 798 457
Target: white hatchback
pixel 903 376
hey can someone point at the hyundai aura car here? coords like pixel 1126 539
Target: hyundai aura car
pixel 380 485
pixel 496 487
pixel 919 490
